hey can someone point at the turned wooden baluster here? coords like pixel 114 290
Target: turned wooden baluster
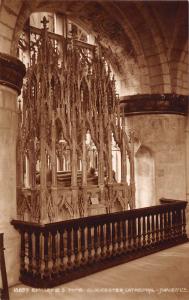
pixel 113 239
pixel 108 239
pixel 46 255
pixel 69 247
pixel 76 252
pixel 62 251
pixel 102 253
pixel 173 224
pixel 124 239
pixel 22 254
pixel 148 231
pixel 176 222
pixel 129 234
pixel 153 228
pixel 144 231
pixel 89 243
pixel 134 233
pixel 184 223
pixel 83 244
pixel 54 267
pixel 37 254
pixel 118 237
pixel 161 227
pixel 165 226
pixel 96 242
pixel 139 233
pixel 169 231
pixel 179 222
pixel 30 253
pixel 157 228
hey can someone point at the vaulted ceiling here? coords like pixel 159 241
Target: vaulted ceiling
pixel 144 40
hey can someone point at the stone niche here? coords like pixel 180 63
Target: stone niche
pixel 163 137
pixel 144 177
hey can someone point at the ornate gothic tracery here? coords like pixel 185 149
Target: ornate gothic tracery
pixel 69 118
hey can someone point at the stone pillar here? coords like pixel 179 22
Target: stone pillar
pixel 11 75
pixel 187 165
pixel 187 155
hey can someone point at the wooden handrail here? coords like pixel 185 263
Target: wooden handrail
pixel 166 200
pixel 4 292
pixel 54 253
pixel 105 217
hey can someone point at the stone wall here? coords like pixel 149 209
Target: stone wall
pixel 164 135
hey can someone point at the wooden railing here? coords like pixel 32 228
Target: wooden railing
pixel 55 253
pixel 4 292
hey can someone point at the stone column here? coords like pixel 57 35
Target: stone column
pixel 187 165
pixel 11 75
pixel 187 154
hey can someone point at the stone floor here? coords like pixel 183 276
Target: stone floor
pixel 163 275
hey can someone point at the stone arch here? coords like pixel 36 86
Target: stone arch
pixel 180 66
pixel 155 69
pixel 23 15
pixel 178 52
pixel 130 31
pixel 117 58
pixel 156 56
pixel 182 72
pixel 9 11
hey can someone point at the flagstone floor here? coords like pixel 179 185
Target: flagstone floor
pixel 163 275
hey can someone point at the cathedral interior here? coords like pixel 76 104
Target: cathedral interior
pixel 94 138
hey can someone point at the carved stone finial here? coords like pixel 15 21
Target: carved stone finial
pixel 45 22
pixel 19 105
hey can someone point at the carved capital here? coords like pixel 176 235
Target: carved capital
pixel 12 72
pixel 155 104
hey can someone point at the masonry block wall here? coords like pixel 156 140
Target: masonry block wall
pixel 164 136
